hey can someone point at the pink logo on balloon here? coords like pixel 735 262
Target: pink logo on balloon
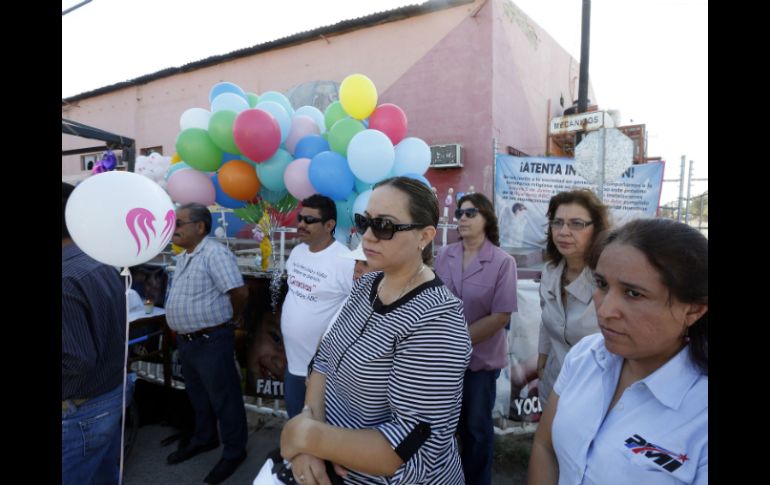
pixel 143 218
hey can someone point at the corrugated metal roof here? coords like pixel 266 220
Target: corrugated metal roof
pixel 341 27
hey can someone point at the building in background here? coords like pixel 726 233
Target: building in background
pixel 468 74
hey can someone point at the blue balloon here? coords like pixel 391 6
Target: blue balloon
pixel 225 87
pixel 223 199
pixel 419 177
pixel 226 157
pixel 330 175
pixel 310 146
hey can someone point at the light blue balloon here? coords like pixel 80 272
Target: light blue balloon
pixel 222 198
pixel 359 206
pixel 330 175
pixel 412 156
pixel 342 234
pixel 270 172
pixel 279 113
pixel 315 114
pixel 177 166
pixel 225 87
pixel 278 98
pixel 310 146
pixel 419 177
pixel 362 186
pixel 370 155
pixel 345 210
pixel 230 102
pixel 272 196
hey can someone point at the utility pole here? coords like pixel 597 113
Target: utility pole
pixel 585 37
pixel 65 12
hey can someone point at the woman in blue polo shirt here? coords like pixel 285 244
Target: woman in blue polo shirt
pixel 631 404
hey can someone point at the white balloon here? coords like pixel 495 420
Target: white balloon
pixel 315 114
pixel 120 218
pixel 229 101
pixel 195 118
pixel 412 156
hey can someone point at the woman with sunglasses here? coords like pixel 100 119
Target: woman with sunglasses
pixel 575 220
pixel 383 398
pixel 477 271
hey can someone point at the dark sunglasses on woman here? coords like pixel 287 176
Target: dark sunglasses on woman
pixel 382 229
pixel 469 212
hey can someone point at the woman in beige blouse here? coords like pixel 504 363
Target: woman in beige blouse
pixel 575 219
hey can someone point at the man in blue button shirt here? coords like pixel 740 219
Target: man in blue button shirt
pixel 206 292
pixel 93 319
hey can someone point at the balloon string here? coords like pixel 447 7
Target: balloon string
pixel 126 273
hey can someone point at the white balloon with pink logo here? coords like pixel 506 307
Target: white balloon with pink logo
pixel 120 218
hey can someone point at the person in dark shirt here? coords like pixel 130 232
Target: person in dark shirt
pixel 93 323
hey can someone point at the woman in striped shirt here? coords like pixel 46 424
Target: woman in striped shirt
pixel 384 396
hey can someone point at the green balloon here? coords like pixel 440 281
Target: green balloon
pixel 334 112
pixel 253 99
pixel 196 148
pixel 221 131
pixel 341 134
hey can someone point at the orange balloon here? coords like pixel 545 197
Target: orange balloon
pixel 239 180
pixel 175 158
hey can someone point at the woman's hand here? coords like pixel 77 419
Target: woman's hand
pixel 294 437
pixel 309 470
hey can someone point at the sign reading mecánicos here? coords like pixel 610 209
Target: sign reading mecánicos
pixel 580 122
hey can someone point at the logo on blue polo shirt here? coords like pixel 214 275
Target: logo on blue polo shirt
pixel 666 459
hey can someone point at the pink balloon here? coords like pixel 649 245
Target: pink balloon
pixel 297 179
pixel 188 185
pixel 391 120
pixel 301 126
pixel 256 134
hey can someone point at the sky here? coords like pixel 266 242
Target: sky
pixel 648 59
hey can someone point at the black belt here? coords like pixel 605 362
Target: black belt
pixel 202 332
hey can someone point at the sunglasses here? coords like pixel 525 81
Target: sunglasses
pixel 383 229
pixel 180 223
pixel 308 219
pixel 470 212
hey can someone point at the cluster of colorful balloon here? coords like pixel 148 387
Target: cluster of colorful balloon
pixel 250 146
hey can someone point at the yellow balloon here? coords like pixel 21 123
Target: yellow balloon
pixel 358 96
pixel 176 249
pixel 175 158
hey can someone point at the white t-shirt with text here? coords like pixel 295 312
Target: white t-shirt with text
pixel 318 285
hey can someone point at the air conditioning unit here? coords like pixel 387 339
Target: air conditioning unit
pixel 446 156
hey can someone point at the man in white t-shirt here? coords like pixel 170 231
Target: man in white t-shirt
pixel 319 282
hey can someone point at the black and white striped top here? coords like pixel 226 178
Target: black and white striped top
pixel 392 367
